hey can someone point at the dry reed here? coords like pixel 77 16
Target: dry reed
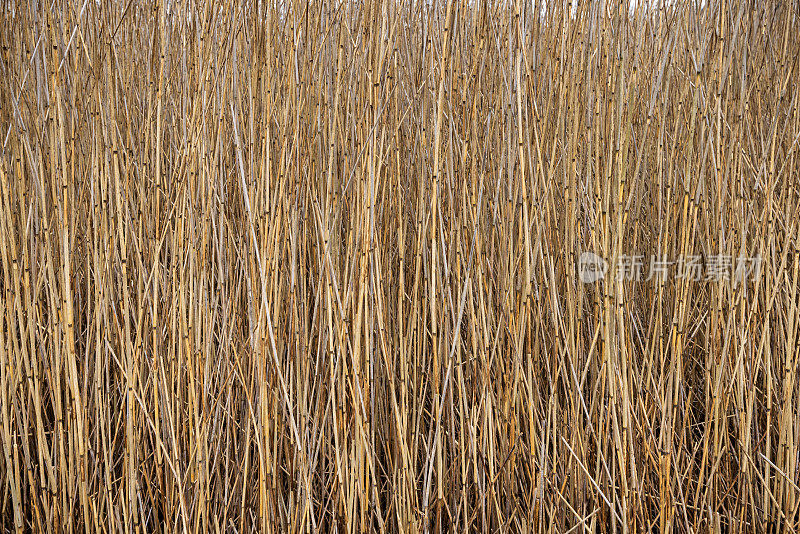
pixel 313 267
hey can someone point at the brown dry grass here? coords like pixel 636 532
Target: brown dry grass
pixel 313 267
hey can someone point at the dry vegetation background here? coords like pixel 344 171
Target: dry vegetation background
pixel 312 267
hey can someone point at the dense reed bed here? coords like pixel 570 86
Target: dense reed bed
pixel 314 267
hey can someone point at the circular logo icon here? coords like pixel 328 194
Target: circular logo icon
pixel 591 267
